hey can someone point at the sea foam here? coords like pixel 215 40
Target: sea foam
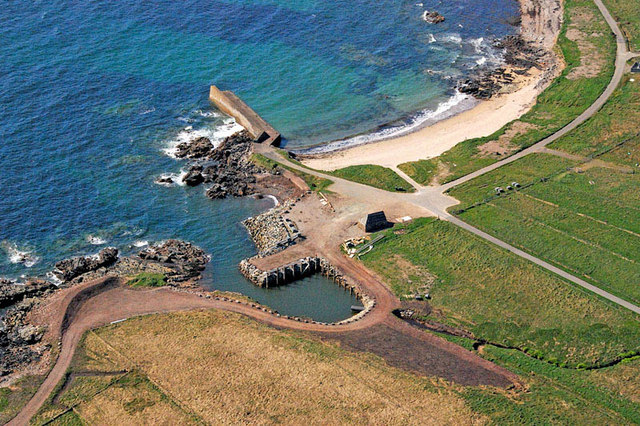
pixel 452 106
pixel 17 255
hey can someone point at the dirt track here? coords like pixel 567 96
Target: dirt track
pixel 379 331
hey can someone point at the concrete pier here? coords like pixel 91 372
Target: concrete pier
pixel 230 104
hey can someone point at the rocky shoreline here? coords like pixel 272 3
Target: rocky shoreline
pixel 21 342
pixel 227 168
pixel 520 56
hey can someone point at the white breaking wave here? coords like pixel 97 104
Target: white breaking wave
pixel 451 38
pixel 452 106
pixel 140 243
pixel 215 134
pixel 176 179
pixel 274 199
pixel 18 255
pixel 97 241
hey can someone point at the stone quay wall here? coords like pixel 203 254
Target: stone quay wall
pixel 230 104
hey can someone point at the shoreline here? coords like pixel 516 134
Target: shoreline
pixel 540 25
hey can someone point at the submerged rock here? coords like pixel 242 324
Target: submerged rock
pixel 432 17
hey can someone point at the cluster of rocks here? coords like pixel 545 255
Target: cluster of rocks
pixel 182 261
pixel 519 55
pixel 19 341
pixel 432 17
pixel 228 167
pixel 68 269
pixel 271 231
pixel 12 292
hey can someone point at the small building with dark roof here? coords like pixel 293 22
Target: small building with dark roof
pixel 375 222
pixel 636 67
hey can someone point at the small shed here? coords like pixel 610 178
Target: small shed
pixel 636 67
pixel 375 222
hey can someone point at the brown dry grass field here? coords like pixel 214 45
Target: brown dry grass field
pixel 220 367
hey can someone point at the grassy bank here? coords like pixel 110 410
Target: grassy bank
pixel 560 396
pixel 314 183
pixel 502 298
pixel 218 367
pixel 627 13
pixel 376 176
pixel 588 49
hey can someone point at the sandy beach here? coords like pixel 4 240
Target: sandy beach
pixel 541 21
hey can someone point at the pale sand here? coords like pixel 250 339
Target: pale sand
pixel 541 21
pixel 484 119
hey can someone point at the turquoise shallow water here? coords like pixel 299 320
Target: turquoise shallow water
pixel 92 92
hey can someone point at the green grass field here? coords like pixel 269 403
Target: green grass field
pixel 583 219
pixel 376 176
pixel 560 396
pixel 555 107
pixel 618 120
pixel 627 13
pixel 502 298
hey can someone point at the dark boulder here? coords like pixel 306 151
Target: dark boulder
pixel 197 148
pixel 11 293
pixel 432 17
pixel 68 269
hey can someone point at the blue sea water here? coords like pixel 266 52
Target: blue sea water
pixel 94 91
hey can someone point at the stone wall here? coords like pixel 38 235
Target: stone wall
pixel 271 231
pixel 302 268
pixel 230 104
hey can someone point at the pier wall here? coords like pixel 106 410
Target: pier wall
pixel 230 104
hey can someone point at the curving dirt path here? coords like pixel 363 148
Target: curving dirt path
pixel 103 301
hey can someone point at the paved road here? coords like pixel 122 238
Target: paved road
pixel 437 202
pixel 622 56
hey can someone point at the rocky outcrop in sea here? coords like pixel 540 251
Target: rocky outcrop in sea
pixel 432 17
pixel 68 269
pixel 519 55
pixel 228 167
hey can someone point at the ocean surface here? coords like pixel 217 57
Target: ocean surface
pixel 96 93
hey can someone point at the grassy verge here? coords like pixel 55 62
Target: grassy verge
pixel 502 298
pixel 627 13
pixel 14 397
pixel 560 396
pixel 582 44
pixel 314 183
pixel 617 121
pixel 147 279
pixel 372 175
pixel 219 367
pixel 376 176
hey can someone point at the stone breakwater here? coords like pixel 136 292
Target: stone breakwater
pixel 302 268
pixel 271 231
